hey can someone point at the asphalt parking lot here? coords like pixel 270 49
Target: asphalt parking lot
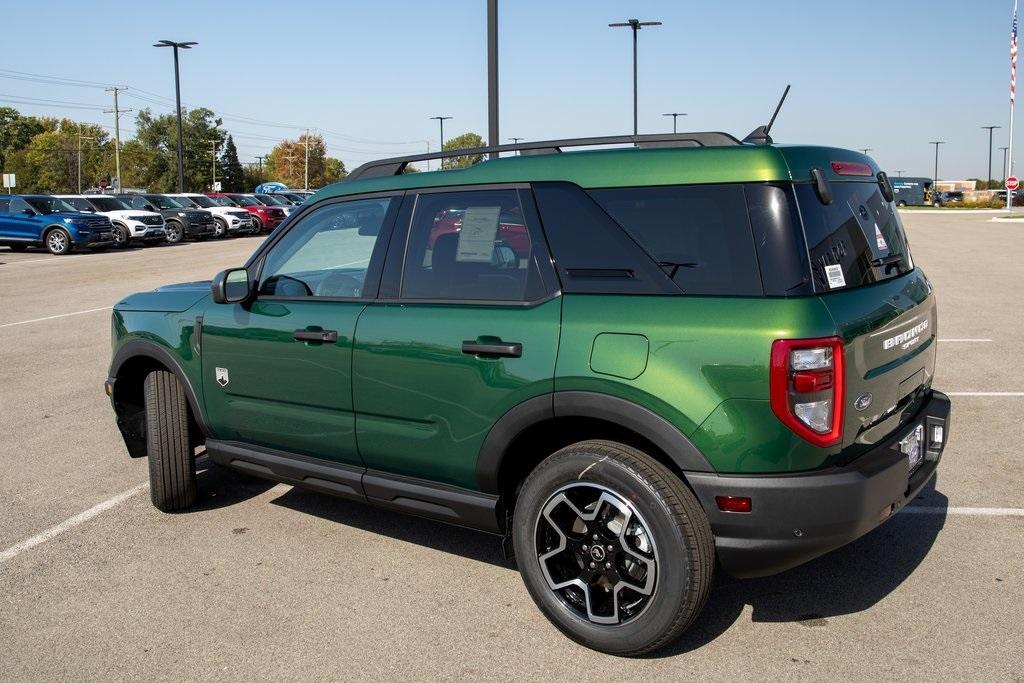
pixel 266 581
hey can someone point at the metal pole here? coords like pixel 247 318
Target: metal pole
pixel 990 129
pixel 441 148
pixel 117 135
pixel 177 101
pixel 1004 163
pixel 935 178
pixel 214 143
pixel 492 74
pixel 865 150
pixel 674 115
pixel 79 158
pixel 1013 98
pixel 305 184
pixel 636 27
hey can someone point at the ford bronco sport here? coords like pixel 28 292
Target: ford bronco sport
pixel 637 364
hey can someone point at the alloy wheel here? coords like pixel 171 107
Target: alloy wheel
pixel 596 553
pixel 57 242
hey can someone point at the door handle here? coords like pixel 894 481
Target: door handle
pixel 317 336
pixel 508 349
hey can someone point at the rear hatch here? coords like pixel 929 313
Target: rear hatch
pixel 883 307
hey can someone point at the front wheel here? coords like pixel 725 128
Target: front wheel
pixel 121 236
pixel 58 242
pixel 174 231
pixel 172 464
pixel 257 225
pixel 613 547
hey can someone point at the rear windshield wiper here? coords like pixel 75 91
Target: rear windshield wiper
pixel 676 265
pixel 893 260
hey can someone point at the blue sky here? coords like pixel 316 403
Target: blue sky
pixel 889 75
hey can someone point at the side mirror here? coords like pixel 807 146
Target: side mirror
pixel 230 286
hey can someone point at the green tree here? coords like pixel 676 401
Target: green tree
pixel 287 163
pixel 232 177
pixel 159 135
pixel 50 162
pixel 253 175
pixel 16 132
pixel 464 141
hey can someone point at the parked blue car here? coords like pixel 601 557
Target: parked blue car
pixel 41 220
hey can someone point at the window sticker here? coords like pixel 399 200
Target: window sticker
pixel 879 240
pixel 835 276
pixel 476 238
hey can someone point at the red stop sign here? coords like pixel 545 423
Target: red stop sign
pixel 1012 183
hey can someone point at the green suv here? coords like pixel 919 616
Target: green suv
pixel 635 364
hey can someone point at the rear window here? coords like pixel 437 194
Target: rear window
pixel 856 240
pixel 699 234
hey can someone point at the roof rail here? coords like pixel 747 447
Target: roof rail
pixel 396 165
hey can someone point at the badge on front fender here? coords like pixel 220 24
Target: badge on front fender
pixel 222 376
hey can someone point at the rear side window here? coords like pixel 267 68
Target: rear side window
pixel 5 204
pixel 856 240
pixel 472 246
pixel 699 234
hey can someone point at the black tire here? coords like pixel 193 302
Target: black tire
pixel 58 241
pixel 664 515
pixel 257 225
pixel 174 231
pixel 121 236
pixel 220 228
pixel 172 464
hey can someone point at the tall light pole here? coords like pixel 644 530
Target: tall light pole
pixel 865 150
pixel 674 115
pixel 441 120
pixel 989 129
pixel 1004 163
pixel 492 74
pixel 213 186
pixel 187 45
pixel 935 178
pixel 635 25
pixel 80 138
pixel 899 174
pixel 515 141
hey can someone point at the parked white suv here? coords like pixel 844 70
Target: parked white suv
pixel 130 225
pixel 229 219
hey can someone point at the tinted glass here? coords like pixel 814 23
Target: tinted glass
pixel 856 240
pixel 699 234
pixel 162 201
pixel 202 201
pixel 470 246
pixel 107 204
pixel 223 201
pixel 5 204
pixel 187 202
pixel 46 205
pixel 80 204
pixel 779 239
pixel 327 253
pixel 19 205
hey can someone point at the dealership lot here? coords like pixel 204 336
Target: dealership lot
pixel 266 581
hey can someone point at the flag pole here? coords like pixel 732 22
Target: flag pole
pixel 1013 97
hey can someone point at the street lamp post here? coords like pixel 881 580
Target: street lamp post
pixel 1004 164
pixel 989 129
pixel 187 45
pixel 935 178
pixel 674 115
pixel 865 150
pixel 441 120
pixel 515 141
pixel 635 25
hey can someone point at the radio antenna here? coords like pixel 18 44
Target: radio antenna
pixel 760 135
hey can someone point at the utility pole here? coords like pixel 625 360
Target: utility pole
pixel 187 45
pixel 260 160
pixel 492 74
pixel 674 115
pixel 116 111
pixel 214 143
pixel 441 120
pixel 1004 163
pixel 635 25
pixel 289 159
pixel 935 179
pixel 989 129
pixel 305 185
pixel 80 138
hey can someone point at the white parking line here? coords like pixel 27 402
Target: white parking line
pixel 969 341
pixel 51 317
pixel 967 511
pixel 71 522
pixel 985 393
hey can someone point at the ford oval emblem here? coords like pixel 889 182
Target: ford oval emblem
pixel 863 401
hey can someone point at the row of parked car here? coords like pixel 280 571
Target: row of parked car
pixel 60 223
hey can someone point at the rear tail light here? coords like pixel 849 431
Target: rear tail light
pixel 806 387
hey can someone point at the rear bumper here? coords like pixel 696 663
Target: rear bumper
pixel 795 518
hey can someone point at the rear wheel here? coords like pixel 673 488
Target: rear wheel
pixel 172 464
pixel 613 547
pixel 257 225
pixel 174 231
pixel 58 241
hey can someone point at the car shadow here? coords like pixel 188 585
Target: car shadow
pixel 848 580
pixel 220 487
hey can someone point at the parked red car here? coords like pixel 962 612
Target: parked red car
pixel 264 217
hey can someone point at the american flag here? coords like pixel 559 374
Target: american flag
pixel 1013 58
